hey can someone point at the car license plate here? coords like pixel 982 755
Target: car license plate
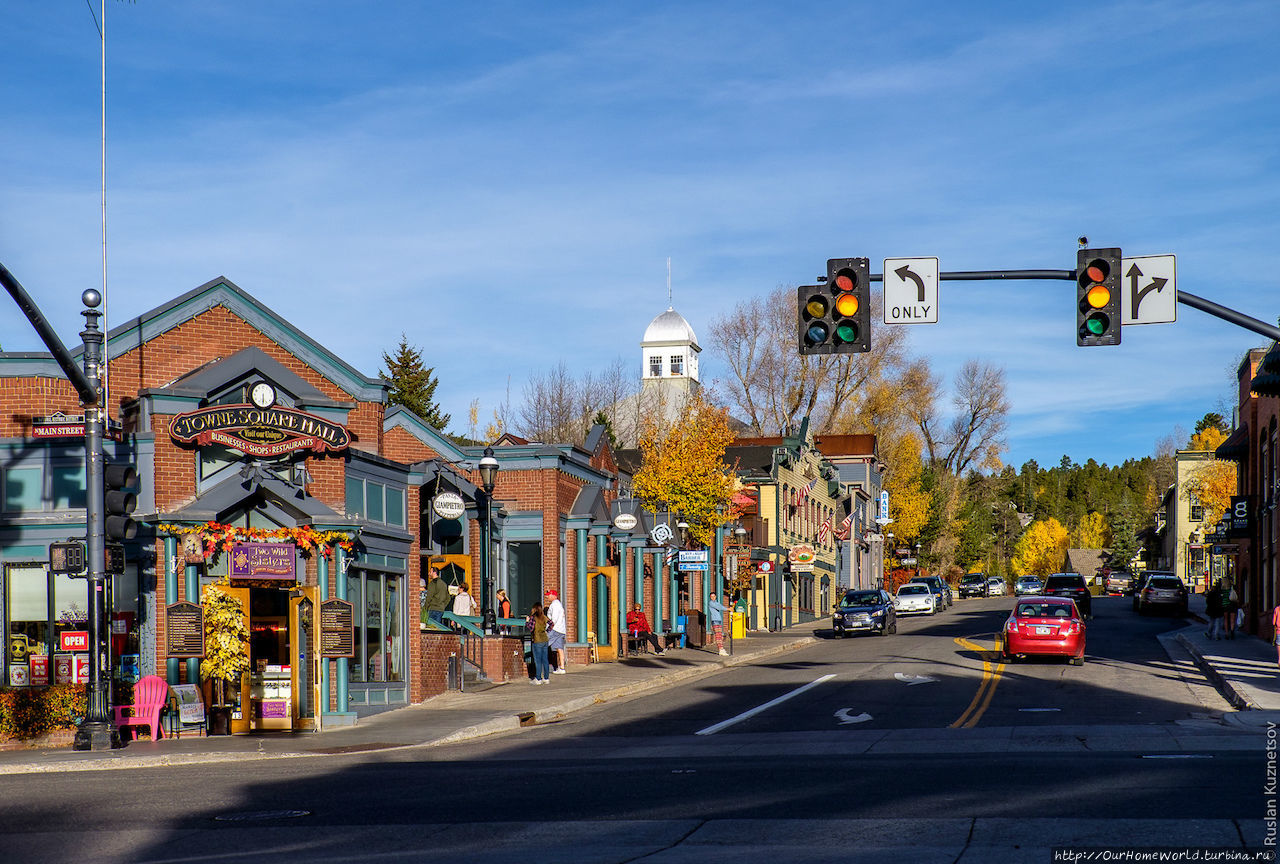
pixel 1043 631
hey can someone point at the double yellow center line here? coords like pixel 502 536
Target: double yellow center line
pixel 990 677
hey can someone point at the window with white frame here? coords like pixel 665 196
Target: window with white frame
pixel 677 364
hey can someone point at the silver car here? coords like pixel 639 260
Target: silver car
pixel 995 587
pixel 1027 585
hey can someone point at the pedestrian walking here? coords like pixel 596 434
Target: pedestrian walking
pixel 537 626
pixel 1229 613
pixel 559 629
pixel 715 613
pixel 1213 610
pixel 1275 631
pixel 437 599
pixel 463 604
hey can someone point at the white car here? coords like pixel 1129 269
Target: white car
pixel 995 587
pixel 915 597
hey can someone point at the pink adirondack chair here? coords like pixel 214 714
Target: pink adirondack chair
pixel 149 697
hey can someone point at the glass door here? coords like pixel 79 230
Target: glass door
pixel 304 652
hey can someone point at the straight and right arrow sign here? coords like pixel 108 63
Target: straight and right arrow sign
pixel 1148 289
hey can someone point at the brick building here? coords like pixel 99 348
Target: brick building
pixel 268 463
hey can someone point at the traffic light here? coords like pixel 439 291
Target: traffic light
pixel 67 557
pixel 1098 316
pixel 118 502
pixel 835 318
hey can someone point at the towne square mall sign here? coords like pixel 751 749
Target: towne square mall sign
pixel 259 431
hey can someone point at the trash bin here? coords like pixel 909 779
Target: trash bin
pixel 693 631
pixel 739 625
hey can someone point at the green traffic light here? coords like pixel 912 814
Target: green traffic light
pixel 847 331
pixel 1096 324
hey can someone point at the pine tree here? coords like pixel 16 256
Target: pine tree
pixel 413 385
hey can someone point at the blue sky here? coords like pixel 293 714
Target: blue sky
pixel 504 181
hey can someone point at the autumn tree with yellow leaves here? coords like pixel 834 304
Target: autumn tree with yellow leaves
pixel 683 469
pixel 1213 483
pixel 1042 548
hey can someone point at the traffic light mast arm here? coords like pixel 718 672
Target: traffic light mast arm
pixel 1230 315
pixel 88 393
pixel 1209 307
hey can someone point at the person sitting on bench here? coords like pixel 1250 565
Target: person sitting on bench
pixel 638 629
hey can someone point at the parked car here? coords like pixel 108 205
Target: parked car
pixel 870 610
pixel 1045 626
pixel 915 597
pixel 1072 586
pixel 1119 582
pixel 1161 591
pixel 973 585
pixel 995 587
pixel 941 590
pixel 1027 585
pixel 1140 582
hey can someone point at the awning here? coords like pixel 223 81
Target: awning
pixel 1236 447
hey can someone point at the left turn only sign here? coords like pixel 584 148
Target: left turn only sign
pixel 910 290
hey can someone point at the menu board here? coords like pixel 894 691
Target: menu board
pixel 337 629
pixel 184 629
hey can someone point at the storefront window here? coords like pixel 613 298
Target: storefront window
pixel 21 490
pixel 379 644
pixel 28 605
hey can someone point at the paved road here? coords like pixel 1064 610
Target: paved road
pixel 1134 758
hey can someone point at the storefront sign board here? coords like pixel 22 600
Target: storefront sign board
pixel 184 630
pixel 257 431
pixel 449 505
pixel 64 669
pixel 73 640
pixel 337 629
pixel 264 561
pixel 39 669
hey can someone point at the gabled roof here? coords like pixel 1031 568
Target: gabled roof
pixel 218 374
pixel 222 292
pixel 282 501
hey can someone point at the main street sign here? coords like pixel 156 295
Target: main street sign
pixel 1148 289
pixel 910 290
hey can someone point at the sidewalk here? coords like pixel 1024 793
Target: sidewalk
pixel 1244 669
pixel 449 717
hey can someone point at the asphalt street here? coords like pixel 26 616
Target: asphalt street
pixel 848 749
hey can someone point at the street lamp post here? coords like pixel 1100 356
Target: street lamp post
pixel 488 477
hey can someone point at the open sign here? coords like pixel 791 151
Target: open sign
pixel 73 640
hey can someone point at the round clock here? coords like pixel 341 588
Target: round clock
pixel 263 394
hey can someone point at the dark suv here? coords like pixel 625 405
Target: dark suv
pixel 1071 585
pixel 941 590
pixel 973 585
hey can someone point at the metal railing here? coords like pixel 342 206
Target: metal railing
pixel 472 642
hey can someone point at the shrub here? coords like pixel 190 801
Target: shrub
pixel 26 712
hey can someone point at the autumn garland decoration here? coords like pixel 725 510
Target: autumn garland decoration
pixel 216 537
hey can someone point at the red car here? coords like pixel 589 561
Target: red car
pixel 1045 625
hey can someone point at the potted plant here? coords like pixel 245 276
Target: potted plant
pixel 226 651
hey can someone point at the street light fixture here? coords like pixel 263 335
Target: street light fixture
pixel 488 478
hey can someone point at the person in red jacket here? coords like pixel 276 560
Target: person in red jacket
pixel 638 628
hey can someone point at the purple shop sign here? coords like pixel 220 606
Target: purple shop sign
pixel 264 561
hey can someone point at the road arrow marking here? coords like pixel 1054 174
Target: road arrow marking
pixel 725 724
pixel 913 680
pixel 846 718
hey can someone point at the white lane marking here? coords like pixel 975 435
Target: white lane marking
pixel 725 724
pixel 913 680
pixel 846 718
pixel 1176 756
pixel 1032 710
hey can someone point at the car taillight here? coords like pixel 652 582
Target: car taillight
pixel 1073 628
pixel 1012 626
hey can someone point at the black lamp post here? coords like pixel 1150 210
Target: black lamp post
pixel 488 477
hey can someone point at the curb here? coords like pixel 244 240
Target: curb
pixel 1222 684
pixel 492 726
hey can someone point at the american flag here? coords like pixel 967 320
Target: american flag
pixel 824 530
pixel 805 490
pixel 843 531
